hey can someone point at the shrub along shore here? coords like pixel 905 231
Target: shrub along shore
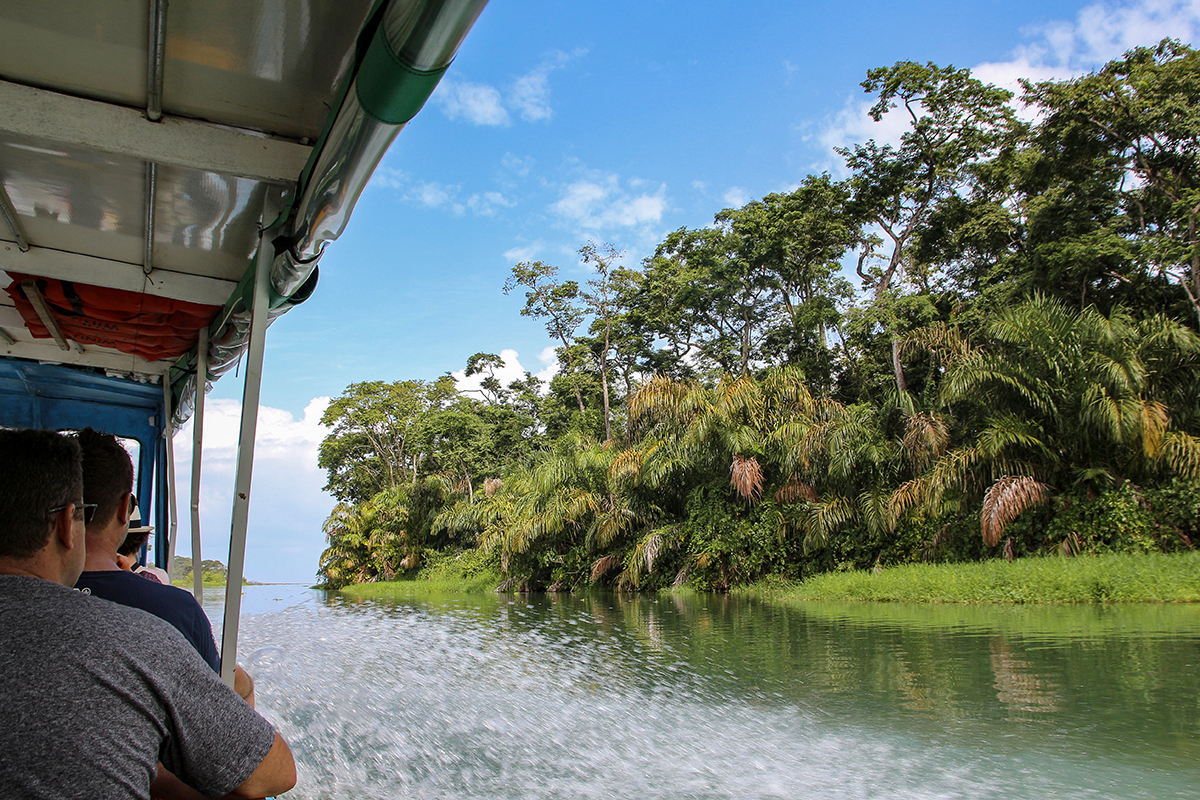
pixel 1126 578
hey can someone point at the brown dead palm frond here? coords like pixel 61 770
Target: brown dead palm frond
pixel 1004 502
pixel 795 491
pixel 653 546
pixel 491 486
pixel 682 576
pixel 746 476
pixel 602 565
pixel 926 437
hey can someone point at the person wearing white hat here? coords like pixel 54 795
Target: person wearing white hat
pixel 130 550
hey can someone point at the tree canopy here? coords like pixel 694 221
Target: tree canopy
pixel 981 342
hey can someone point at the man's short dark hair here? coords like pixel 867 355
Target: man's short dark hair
pixel 39 470
pixel 107 473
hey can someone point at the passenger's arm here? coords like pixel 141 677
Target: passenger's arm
pixel 167 787
pixel 275 775
pixel 243 684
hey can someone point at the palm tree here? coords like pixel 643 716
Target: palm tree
pixel 570 500
pixel 1062 400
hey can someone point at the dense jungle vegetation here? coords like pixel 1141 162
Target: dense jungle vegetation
pixel 1017 370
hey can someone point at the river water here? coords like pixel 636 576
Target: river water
pixel 710 697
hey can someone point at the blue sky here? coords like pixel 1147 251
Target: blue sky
pixel 561 123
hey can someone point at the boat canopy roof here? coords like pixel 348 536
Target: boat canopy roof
pixel 145 147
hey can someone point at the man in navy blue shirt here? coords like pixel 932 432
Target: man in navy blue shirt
pixel 108 483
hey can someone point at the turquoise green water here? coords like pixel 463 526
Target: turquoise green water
pixel 709 697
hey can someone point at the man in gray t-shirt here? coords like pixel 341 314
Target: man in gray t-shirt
pixel 96 694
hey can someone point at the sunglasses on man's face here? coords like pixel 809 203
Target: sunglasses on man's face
pixel 88 509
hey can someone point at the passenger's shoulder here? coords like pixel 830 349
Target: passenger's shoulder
pixel 117 611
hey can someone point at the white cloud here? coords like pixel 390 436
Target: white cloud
pixel 527 252
pixel 485 203
pixel 517 165
pixel 853 124
pixel 549 359
pixel 287 503
pixel 434 194
pixel 388 178
pixel 736 197
pixel 482 104
pixel 477 103
pixel 1103 31
pixel 530 94
pixel 600 203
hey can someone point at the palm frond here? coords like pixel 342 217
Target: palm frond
pixel 822 518
pixel 1005 500
pixel 942 341
pixel 1155 422
pixel 795 491
pixel 747 477
pixel 926 437
pixel 1182 452
pixel 603 565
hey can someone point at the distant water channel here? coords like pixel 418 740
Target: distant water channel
pixel 708 697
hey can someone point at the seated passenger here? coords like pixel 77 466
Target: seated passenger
pixel 96 694
pixel 108 483
pixel 135 540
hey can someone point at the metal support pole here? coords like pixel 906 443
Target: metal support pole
pixel 172 506
pixel 197 449
pixel 154 66
pixel 245 454
pixel 151 200
pixel 34 296
pixel 10 214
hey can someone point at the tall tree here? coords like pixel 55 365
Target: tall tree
pixel 373 441
pixel 1144 111
pixel 601 301
pixel 955 121
pixel 558 303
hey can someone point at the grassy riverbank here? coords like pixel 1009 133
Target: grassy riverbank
pixel 1154 578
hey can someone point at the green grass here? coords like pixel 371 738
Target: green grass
pixel 464 572
pixel 217 581
pixel 1154 578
